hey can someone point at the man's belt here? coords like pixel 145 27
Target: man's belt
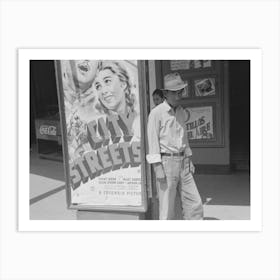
pixel 181 154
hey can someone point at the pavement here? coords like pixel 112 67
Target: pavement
pixel 225 197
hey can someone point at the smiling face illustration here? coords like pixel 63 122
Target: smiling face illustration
pixel 110 89
pixel 83 72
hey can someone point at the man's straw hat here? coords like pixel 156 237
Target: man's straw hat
pixel 173 82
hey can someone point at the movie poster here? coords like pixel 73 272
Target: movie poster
pixel 200 123
pixel 205 87
pixel 102 113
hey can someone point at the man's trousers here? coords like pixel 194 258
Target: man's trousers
pixel 178 176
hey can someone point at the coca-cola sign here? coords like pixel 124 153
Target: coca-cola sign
pixel 48 130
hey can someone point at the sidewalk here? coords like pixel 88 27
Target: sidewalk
pixel 47 190
pixel 225 197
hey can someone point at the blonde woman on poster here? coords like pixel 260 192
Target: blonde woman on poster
pixel 116 91
pixel 95 88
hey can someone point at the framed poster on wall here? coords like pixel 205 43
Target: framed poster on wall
pixel 101 118
pixel 176 65
pixel 200 123
pixel 204 87
pixel 204 124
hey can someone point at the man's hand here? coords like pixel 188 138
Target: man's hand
pixel 158 168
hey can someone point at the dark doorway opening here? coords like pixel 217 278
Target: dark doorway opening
pixel 239 87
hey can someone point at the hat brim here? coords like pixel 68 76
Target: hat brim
pixel 176 88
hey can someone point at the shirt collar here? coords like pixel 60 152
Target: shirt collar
pixel 168 107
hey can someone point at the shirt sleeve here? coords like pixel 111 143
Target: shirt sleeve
pixel 153 138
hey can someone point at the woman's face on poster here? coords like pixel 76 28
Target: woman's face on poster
pixel 110 89
pixel 84 72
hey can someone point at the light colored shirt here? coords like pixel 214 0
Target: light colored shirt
pixel 167 132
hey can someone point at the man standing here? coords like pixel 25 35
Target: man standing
pixel 170 153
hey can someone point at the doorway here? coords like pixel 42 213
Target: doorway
pixel 239 88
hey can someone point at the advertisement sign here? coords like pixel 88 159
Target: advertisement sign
pixel 205 87
pixel 189 64
pixel 100 105
pixel 200 123
pixel 47 129
pixel 180 65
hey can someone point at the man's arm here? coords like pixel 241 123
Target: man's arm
pixel 154 157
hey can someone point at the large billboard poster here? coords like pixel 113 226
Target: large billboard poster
pixel 101 116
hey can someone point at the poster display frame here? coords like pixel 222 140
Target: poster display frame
pixel 218 139
pixel 213 106
pixel 142 101
pixel 203 77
